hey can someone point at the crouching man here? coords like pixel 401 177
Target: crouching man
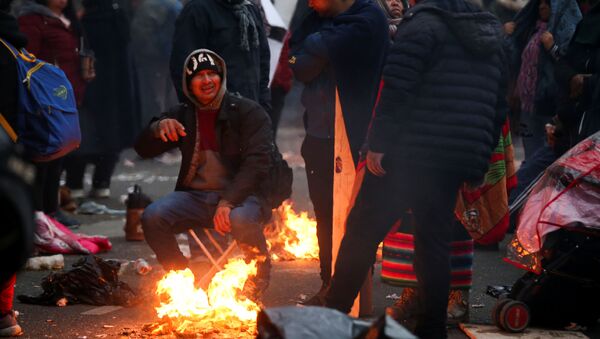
pixel 225 142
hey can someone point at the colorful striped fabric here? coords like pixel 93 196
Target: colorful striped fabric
pixel 398 257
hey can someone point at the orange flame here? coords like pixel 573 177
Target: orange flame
pixel 188 310
pixel 291 235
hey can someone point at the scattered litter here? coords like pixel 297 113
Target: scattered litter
pixel 128 163
pixel 49 320
pixel 62 302
pixel 393 296
pixel 52 262
pixel 128 177
pixel 478 306
pixel 92 281
pixel 185 250
pixel 169 158
pixel 82 337
pixel 91 207
pixel 123 198
pixel 101 335
pixel 108 326
pixel 142 267
pixel 575 327
pixel 153 256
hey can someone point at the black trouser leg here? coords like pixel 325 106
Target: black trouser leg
pixel 105 167
pixel 372 217
pixel 47 182
pixel 318 156
pixel 433 210
pixel 75 170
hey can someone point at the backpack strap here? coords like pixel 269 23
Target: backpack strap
pixel 22 53
pixel 8 128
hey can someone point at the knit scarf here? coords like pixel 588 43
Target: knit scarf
pixel 246 22
pixel 528 75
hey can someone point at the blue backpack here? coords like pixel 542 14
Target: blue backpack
pixel 47 124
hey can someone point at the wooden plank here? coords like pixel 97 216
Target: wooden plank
pixel 344 175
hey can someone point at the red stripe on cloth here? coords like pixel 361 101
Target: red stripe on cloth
pixel 497 232
pixel 7 293
pixel 497 157
pixel 397 266
pixel 399 276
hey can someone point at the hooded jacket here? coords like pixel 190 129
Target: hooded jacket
pixel 9 32
pixel 244 136
pixel 443 100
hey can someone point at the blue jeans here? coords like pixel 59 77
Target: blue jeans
pixel 181 210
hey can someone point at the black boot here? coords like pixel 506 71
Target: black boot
pixel 255 286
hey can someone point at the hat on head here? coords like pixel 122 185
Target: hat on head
pixel 201 60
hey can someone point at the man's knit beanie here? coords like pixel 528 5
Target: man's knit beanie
pixel 201 60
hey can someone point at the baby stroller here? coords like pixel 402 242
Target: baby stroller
pixel 558 242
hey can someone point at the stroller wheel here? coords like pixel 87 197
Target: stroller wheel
pixel 514 316
pixel 496 311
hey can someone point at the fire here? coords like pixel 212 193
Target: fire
pixel 185 309
pixel 292 235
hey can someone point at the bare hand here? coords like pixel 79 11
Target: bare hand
pixel 550 137
pixel 509 28
pixel 576 85
pixel 374 163
pixel 547 40
pixel 170 130
pixel 221 220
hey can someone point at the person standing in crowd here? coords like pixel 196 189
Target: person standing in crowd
pixel 55 36
pixel 578 111
pixel 225 142
pixel 437 121
pixel 538 38
pixel 340 46
pixel 152 29
pixel 108 118
pixel 393 9
pixel 9 32
pixel 233 29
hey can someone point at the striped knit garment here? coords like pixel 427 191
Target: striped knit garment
pixel 399 251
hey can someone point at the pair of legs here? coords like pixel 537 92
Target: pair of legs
pixel 105 165
pixel 381 201
pixel 46 184
pixel 181 210
pixel 533 132
pixel 318 157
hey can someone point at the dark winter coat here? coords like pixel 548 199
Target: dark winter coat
pixel 109 118
pixel 50 40
pixel 210 24
pixel 9 31
pixel 443 100
pixel 582 57
pixel 352 47
pixel 245 141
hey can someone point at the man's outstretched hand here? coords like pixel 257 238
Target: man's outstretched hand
pixel 374 163
pixel 221 220
pixel 169 130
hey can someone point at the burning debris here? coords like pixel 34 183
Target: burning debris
pixel 220 312
pixel 291 235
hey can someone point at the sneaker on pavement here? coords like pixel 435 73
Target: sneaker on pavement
pixel 458 307
pixel 9 326
pixel 65 219
pixel 77 193
pixel 100 193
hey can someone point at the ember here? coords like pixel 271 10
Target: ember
pixel 291 235
pixel 221 312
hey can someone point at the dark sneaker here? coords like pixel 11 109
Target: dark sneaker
pixel 405 309
pixel 319 298
pixel 458 307
pixel 65 219
pixel 9 326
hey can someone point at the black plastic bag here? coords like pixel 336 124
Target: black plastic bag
pixel 323 323
pixel 92 281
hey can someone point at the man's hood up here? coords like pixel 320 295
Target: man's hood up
pixel 478 31
pixel 216 103
pixel 31 7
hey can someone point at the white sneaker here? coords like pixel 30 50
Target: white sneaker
pixel 100 193
pixel 77 193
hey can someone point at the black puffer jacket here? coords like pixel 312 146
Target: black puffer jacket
pixel 443 100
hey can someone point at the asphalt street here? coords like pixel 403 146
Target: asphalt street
pixel 291 281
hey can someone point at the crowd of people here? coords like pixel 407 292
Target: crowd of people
pixel 430 91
